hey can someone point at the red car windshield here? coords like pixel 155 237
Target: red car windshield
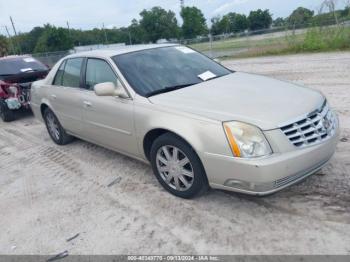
pixel 20 65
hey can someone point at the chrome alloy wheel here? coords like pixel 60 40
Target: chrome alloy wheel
pixel 174 168
pixel 52 125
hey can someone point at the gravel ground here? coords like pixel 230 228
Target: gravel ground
pixel 50 193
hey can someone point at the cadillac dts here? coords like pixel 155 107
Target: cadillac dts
pixel 197 123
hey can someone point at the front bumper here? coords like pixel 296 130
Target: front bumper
pixel 268 175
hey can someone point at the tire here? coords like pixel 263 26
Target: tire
pixel 55 129
pixel 6 114
pixel 182 178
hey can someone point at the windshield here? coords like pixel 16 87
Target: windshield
pixel 164 69
pixel 19 65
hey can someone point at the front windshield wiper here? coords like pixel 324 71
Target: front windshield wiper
pixel 168 89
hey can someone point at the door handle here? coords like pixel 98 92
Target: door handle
pixel 53 96
pixel 87 104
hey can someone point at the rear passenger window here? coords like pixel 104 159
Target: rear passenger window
pixel 71 75
pixel 59 74
pixel 99 71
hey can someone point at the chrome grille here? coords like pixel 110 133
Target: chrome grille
pixel 315 128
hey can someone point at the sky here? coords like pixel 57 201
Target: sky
pixel 88 14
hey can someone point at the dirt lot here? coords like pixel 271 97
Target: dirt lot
pixel 49 193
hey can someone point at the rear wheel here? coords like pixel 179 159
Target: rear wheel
pixel 6 114
pixel 177 167
pixel 55 129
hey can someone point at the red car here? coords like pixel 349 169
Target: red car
pixel 17 73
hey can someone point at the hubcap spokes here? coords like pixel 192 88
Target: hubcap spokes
pixel 175 168
pixel 53 126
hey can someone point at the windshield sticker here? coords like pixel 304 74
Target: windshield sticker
pixel 26 70
pixel 29 60
pixel 206 75
pixel 185 49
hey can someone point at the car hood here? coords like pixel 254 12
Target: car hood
pixel 258 100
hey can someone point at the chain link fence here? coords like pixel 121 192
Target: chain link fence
pixel 51 58
pixel 241 44
pixel 232 45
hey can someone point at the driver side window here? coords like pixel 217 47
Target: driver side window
pixel 99 71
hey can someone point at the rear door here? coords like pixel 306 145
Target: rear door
pixel 65 95
pixel 107 120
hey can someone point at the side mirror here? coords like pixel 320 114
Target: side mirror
pixel 109 89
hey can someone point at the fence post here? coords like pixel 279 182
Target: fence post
pixel 211 45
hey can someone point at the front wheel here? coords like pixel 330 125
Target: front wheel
pixel 6 114
pixel 177 167
pixel 56 131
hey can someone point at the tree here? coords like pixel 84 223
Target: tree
pixel 216 26
pixel 331 5
pixel 278 22
pixel 137 34
pixel 230 23
pixel 194 23
pixel 3 46
pixel 300 17
pixel 53 39
pixel 159 23
pixel 237 22
pixel 346 11
pixel 220 25
pixel 259 19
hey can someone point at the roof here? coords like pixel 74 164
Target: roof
pixel 119 50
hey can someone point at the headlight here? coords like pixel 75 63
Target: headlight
pixel 246 141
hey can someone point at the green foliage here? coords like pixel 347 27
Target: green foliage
pixel 300 16
pixel 158 23
pixel 4 46
pixel 238 22
pixel 137 33
pixel 218 25
pixel 53 39
pixel 278 22
pixel 230 23
pixel 194 23
pixel 329 18
pixel 259 19
pixel 324 39
pixel 28 41
pixel 345 12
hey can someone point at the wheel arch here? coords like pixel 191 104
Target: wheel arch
pixel 153 134
pixel 43 107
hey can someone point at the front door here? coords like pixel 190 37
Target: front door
pixel 107 120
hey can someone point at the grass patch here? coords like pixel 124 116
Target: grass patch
pixel 323 39
pixel 317 39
